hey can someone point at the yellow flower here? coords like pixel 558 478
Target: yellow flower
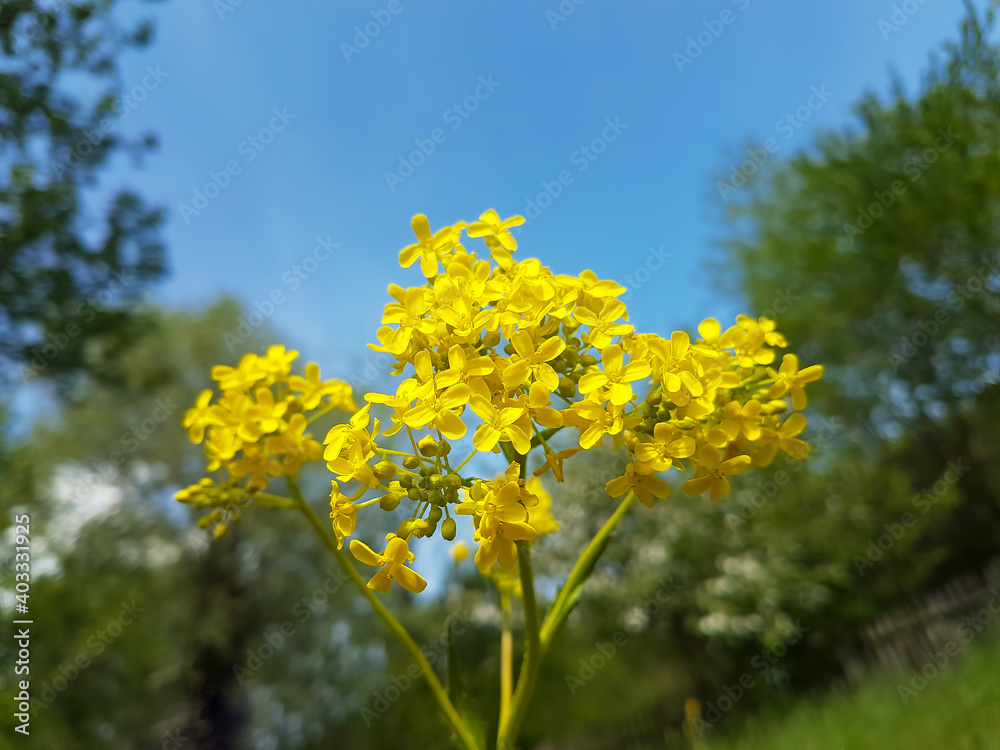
pixel 437 410
pixel 615 376
pixel 501 521
pixel 714 473
pixel 647 487
pixel 409 317
pixel 741 418
pixel 677 372
pixel 429 248
pixel 604 326
pixel 554 461
pixel 594 421
pixel 498 237
pixel 244 375
pixel 667 444
pixel 747 338
pixel 200 417
pixel 790 378
pixel 537 404
pixel 277 363
pixel 350 446
pixel 498 425
pixel 459 552
pixel 344 514
pixel 784 438
pixel 295 445
pixel 466 368
pixel 392 563
pixel 312 390
pixel 528 358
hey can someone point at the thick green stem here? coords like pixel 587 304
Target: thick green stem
pixel 461 729
pixel 507 735
pixel 528 675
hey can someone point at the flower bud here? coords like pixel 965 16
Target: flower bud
pixel 448 529
pixel 774 407
pixel 567 388
pixel 406 481
pixel 588 360
pixel 390 501
pixel 491 339
pixel 411 462
pixel 421 528
pixel 384 470
pixel 444 448
pixel 427 446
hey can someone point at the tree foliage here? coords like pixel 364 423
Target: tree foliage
pixel 72 258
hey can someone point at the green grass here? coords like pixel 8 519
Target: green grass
pixel 957 710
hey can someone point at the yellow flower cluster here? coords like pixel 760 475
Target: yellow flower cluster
pixel 526 352
pixel 257 428
pixel 516 354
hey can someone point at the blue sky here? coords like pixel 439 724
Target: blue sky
pixel 514 90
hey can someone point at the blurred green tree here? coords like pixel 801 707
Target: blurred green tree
pixel 68 274
pixel 878 251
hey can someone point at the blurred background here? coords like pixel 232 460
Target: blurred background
pixel 167 168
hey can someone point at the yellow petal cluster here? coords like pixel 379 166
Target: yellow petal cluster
pixel 255 427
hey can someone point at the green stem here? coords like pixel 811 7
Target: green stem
pixel 267 500
pixel 510 721
pixel 584 565
pixel 528 675
pixel 506 658
pixel 507 735
pixel 461 729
